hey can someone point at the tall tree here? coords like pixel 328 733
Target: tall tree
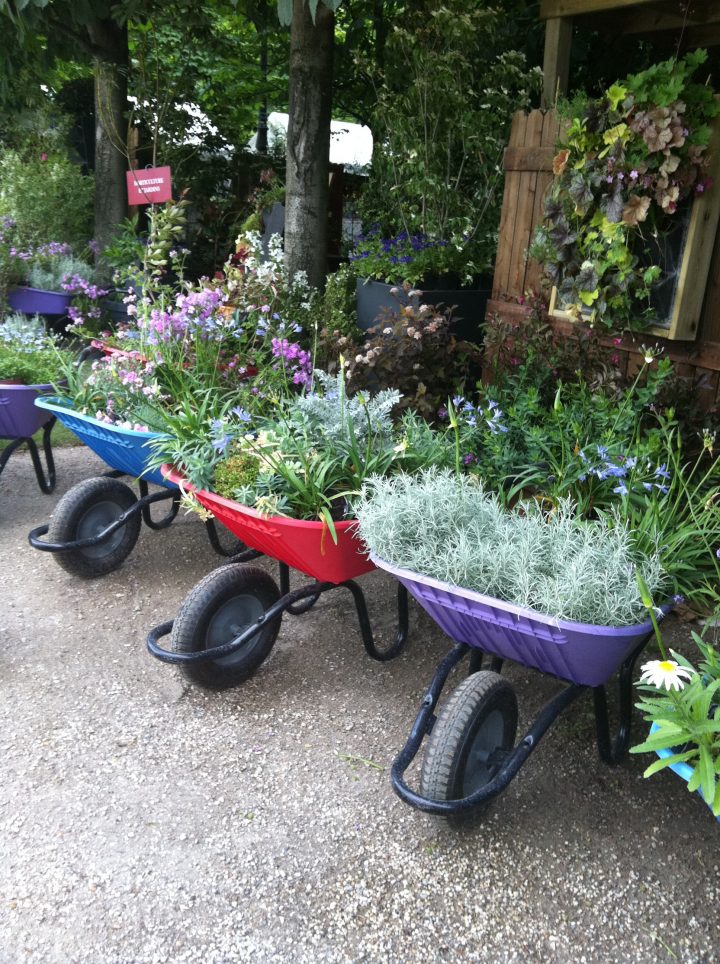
pixel 98 31
pixel 308 141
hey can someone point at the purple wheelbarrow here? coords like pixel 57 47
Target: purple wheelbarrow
pixel 19 421
pixel 471 755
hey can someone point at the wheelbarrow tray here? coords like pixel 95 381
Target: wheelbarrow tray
pixel 124 449
pixel 19 418
pixel 305 546
pixel 578 652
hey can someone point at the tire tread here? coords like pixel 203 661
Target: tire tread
pixel 203 596
pixel 67 515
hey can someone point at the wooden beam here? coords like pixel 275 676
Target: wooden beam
pixel 649 21
pixel 528 158
pixel 550 9
pixel 556 64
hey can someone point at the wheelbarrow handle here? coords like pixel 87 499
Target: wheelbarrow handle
pixel 140 506
pixel 227 649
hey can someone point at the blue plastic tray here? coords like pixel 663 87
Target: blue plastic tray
pixel 123 449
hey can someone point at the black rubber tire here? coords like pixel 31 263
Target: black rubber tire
pixel 480 716
pixel 88 507
pixel 214 612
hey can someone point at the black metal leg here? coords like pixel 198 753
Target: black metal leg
pixel 612 751
pixel 295 609
pixel 166 519
pixel 214 541
pixel 382 655
pixel 45 482
pixel 476 661
pixel 8 451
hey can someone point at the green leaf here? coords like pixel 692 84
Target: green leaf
pixel 707 774
pixel 667 761
pixel 325 514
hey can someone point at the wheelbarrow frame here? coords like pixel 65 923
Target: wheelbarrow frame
pixel 124 460
pixel 305 546
pixel 509 629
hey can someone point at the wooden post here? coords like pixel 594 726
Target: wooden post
pixel 556 65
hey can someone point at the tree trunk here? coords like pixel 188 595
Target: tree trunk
pixel 308 142
pixel 261 142
pixel 110 65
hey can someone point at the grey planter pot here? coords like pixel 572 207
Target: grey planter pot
pixel 468 316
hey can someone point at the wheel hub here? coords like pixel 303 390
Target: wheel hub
pixel 94 521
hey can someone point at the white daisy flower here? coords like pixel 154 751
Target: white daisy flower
pixel 665 672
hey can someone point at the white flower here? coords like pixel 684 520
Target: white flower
pixel 665 672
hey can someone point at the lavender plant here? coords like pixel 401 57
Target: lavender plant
pixel 556 563
pixel 331 413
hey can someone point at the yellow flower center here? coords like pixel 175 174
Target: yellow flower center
pixel 667 666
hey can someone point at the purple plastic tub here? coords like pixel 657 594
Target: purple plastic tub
pixel 32 301
pixel 19 418
pixel 578 652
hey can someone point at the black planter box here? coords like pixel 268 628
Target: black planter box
pixel 468 315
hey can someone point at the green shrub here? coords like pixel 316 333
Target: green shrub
pixel 50 199
pixel 29 354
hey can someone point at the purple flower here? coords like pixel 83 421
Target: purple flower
pixel 621 489
pixel 241 414
pixel 221 444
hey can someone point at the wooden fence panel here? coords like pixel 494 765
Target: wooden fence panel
pixel 528 174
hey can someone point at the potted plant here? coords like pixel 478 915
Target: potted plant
pixel 31 362
pixel 434 191
pixel 39 274
pixel 628 168
pixel 682 705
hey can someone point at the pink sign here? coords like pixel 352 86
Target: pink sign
pixel 150 185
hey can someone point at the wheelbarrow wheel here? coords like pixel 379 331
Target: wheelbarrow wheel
pixel 85 511
pixel 464 750
pixel 219 608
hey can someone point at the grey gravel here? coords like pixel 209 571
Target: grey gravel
pixel 142 820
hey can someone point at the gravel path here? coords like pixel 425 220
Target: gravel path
pixel 142 820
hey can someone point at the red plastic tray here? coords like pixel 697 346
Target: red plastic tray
pixel 306 546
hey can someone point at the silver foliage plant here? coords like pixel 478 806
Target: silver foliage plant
pixel 555 563
pixel 331 413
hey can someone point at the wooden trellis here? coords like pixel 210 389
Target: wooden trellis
pixel 528 174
